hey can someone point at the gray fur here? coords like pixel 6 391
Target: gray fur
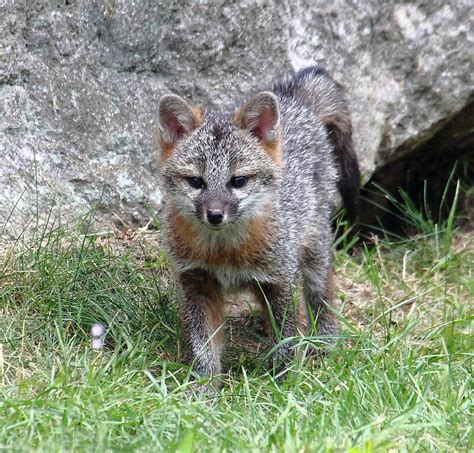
pixel 300 196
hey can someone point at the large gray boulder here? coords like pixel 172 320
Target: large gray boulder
pixel 80 80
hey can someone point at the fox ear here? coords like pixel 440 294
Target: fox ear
pixel 261 116
pixel 176 118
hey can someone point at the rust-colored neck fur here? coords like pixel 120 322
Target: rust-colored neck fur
pixel 182 235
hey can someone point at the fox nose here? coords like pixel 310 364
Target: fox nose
pixel 215 216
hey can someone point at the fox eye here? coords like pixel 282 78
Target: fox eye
pixel 195 182
pixel 238 181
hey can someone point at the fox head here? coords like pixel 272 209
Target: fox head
pixel 219 169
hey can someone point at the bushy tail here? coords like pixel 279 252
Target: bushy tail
pixel 313 85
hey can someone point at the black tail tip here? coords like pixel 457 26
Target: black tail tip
pixel 349 183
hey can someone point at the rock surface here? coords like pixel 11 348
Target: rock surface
pixel 80 80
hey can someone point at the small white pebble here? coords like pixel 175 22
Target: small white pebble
pixel 97 330
pixel 97 343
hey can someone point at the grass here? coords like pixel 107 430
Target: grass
pixel 400 379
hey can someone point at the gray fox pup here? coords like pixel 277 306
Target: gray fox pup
pixel 249 195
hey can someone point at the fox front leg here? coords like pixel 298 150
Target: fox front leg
pixel 281 313
pixel 201 312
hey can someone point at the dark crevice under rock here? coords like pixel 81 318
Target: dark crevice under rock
pixel 428 176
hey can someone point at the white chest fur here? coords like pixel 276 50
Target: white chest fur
pixel 231 278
